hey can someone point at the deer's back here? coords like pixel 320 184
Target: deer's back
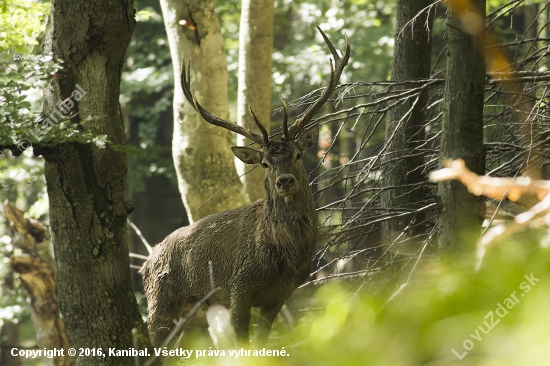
pixel 180 261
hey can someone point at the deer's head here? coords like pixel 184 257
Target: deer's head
pixel 280 158
pixel 282 161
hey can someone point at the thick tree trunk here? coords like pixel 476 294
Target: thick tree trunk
pixel 462 137
pixel 255 51
pixel 202 155
pixel 86 184
pixel 404 126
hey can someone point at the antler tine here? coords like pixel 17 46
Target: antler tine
pixel 285 120
pixel 335 73
pixel 260 126
pixel 210 118
pixel 186 83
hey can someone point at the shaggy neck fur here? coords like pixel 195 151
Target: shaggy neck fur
pixel 292 220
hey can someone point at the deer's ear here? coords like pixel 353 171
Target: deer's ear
pixel 247 155
pixel 308 138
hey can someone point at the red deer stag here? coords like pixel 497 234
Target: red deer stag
pixel 260 252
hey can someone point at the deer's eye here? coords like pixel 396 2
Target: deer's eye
pixel 299 156
pixel 264 164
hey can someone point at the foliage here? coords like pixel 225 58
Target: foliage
pixel 427 319
pixel 146 95
pixel 445 308
pixel 25 75
pixel 13 302
pixel 22 182
pixel 21 25
pixel 13 305
pixel 300 60
pixel 21 178
pixel 300 63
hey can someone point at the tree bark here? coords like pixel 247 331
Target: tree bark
pixel 10 337
pixel 202 155
pixel 86 184
pixel 36 271
pixel 255 51
pixel 462 126
pixel 529 133
pixel 9 332
pixel 404 123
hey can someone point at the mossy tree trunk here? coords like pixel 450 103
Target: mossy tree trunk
pixel 86 184
pixel 404 123
pixel 255 51
pixel 201 151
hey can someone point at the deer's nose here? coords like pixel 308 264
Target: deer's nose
pixel 285 182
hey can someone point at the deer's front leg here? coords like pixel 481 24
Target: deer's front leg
pixel 240 318
pixel 267 316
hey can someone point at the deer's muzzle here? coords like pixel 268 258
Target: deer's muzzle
pixel 286 184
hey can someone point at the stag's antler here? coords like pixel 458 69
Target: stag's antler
pixel 288 132
pixel 261 140
pixel 335 73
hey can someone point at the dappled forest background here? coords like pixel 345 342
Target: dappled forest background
pixel 359 306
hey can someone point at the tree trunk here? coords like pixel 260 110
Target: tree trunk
pixel 36 271
pixel 462 126
pixel 201 151
pixel 404 126
pixel 529 133
pixel 9 338
pixel 255 51
pixel 86 184
pixel 9 332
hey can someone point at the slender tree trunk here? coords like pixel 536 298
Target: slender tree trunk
pixel 9 332
pixel 202 155
pixel 255 50
pixel 462 137
pixel 86 184
pixel 530 23
pixel 404 126
pixel 9 338
pixel 530 132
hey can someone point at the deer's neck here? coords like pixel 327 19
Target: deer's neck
pixel 291 220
